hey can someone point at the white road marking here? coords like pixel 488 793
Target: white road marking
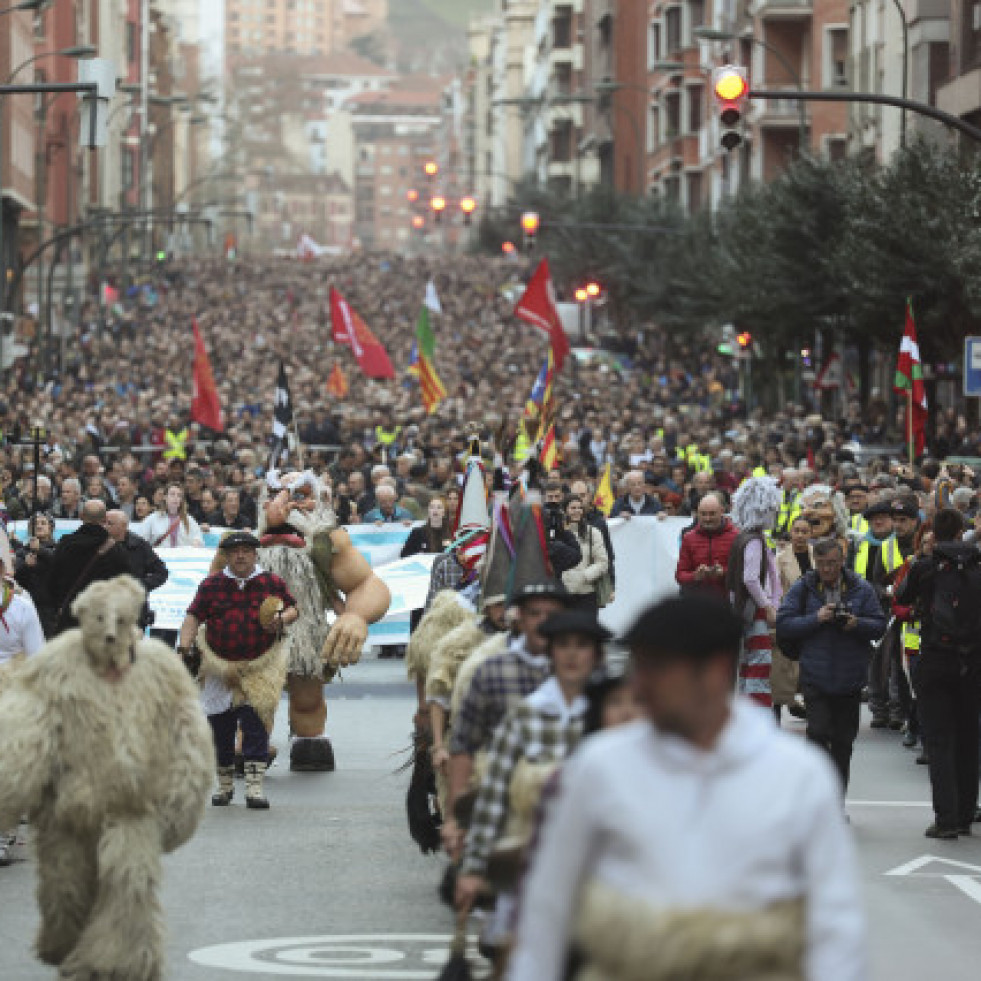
pixel 380 957
pixel 969 885
pixel 888 803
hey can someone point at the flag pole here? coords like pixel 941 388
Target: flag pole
pixel 909 423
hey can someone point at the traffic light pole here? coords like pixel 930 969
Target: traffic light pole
pixel 948 119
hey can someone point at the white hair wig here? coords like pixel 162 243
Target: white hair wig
pixel 756 504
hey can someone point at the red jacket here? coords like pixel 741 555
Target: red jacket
pixel 699 547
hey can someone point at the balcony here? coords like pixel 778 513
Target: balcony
pixel 573 56
pixel 778 113
pixel 781 9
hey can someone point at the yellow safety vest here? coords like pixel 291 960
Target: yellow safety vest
pixel 789 511
pixel 858 523
pixel 387 436
pixel 759 471
pixel 911 636
pixel 892 556
pixel 522 446
pixel 176 445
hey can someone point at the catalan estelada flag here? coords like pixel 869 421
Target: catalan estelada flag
pixel 603 499
pixel 541 391
pixel 413 368
pixel 432 388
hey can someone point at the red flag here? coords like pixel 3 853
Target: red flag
pixel 348 328
pixel 537 307
pixel 337 383
pixel 909 383
pixel 205 407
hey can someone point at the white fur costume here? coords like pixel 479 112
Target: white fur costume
pixel 106 749
pixel 296 567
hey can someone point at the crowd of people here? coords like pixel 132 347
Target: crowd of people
pixel 812 576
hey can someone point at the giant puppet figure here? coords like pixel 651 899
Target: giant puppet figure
pixel 301 542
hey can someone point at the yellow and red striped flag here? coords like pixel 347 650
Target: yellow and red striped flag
pixel 603 499
pixel 550 450
pixel 432 388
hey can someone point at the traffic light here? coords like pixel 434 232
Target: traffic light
pixel 468 205
pixel 530 223
pixel 745 340
pixel 730 84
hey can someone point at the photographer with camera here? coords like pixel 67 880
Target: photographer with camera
pixel 827 621
pixel 564 552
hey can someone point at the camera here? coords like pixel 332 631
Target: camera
pixel 842 614
pixel 552 519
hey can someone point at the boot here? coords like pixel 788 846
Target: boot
pixel 226 787
pixel 312 754
pixel 254 797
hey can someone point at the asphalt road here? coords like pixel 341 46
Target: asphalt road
pixel 327 884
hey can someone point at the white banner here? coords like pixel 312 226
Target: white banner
pixel 646 551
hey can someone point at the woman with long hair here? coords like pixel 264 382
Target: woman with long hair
pixel 582 580
pixel 433 536
pixel 172 527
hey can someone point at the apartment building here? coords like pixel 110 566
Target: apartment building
pixel 960 93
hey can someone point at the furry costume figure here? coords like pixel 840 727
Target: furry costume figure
pixel 106 749
pixel 302 544
pixel 449 656
pixel 449 610
pixel 624 939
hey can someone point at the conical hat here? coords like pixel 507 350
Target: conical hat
pixel 497 562
pixel 473 511
pixel 530 573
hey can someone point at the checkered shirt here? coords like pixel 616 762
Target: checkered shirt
pixel 230 608
pixel 446 573
pixel 526 733
pixel 498 685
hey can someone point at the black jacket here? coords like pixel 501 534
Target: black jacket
pixel 418 542
pixel 72 568
pixel 34 578
pixel 144 562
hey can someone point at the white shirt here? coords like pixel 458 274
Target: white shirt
pixel 22 633
pixel 755 820
pixel 548 699
pixel 158 524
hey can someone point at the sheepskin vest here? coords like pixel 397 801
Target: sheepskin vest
pixel 624 939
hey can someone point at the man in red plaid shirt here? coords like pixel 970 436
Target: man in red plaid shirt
pixel 243 661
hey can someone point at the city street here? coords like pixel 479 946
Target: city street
pixel 327 884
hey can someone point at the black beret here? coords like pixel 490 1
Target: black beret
pixel 239 538
pixel 904 509
pixel 882 507
pixel 574 622
pixel 694 626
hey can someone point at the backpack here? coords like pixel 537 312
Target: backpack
pixel 954 611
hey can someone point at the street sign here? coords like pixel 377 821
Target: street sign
pixel 972 366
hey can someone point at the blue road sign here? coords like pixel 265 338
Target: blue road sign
pixel 972 366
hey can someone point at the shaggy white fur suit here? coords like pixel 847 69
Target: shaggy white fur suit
pixel 106 749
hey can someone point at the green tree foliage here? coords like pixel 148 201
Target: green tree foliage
pixel 825 246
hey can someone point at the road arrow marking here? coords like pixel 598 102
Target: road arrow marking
pixel 968 884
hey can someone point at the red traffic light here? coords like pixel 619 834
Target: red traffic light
pixel 744 339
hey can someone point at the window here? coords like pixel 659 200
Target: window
pixel 131 49
pixel 836 58
pixel 672 26
pixel 696 94
pixel 126 168
pixel 672 112
pixel 653 43
pixel 697 10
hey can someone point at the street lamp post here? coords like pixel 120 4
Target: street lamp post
pixel 711 34
pixel 905 88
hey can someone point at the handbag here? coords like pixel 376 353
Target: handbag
pixel 604 589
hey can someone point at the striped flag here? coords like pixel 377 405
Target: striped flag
pixel 541 391
pixel 413 368
pixel 909 384
pixel 550 449
pixel 432 388
pixel 282 418
pixel 603 499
